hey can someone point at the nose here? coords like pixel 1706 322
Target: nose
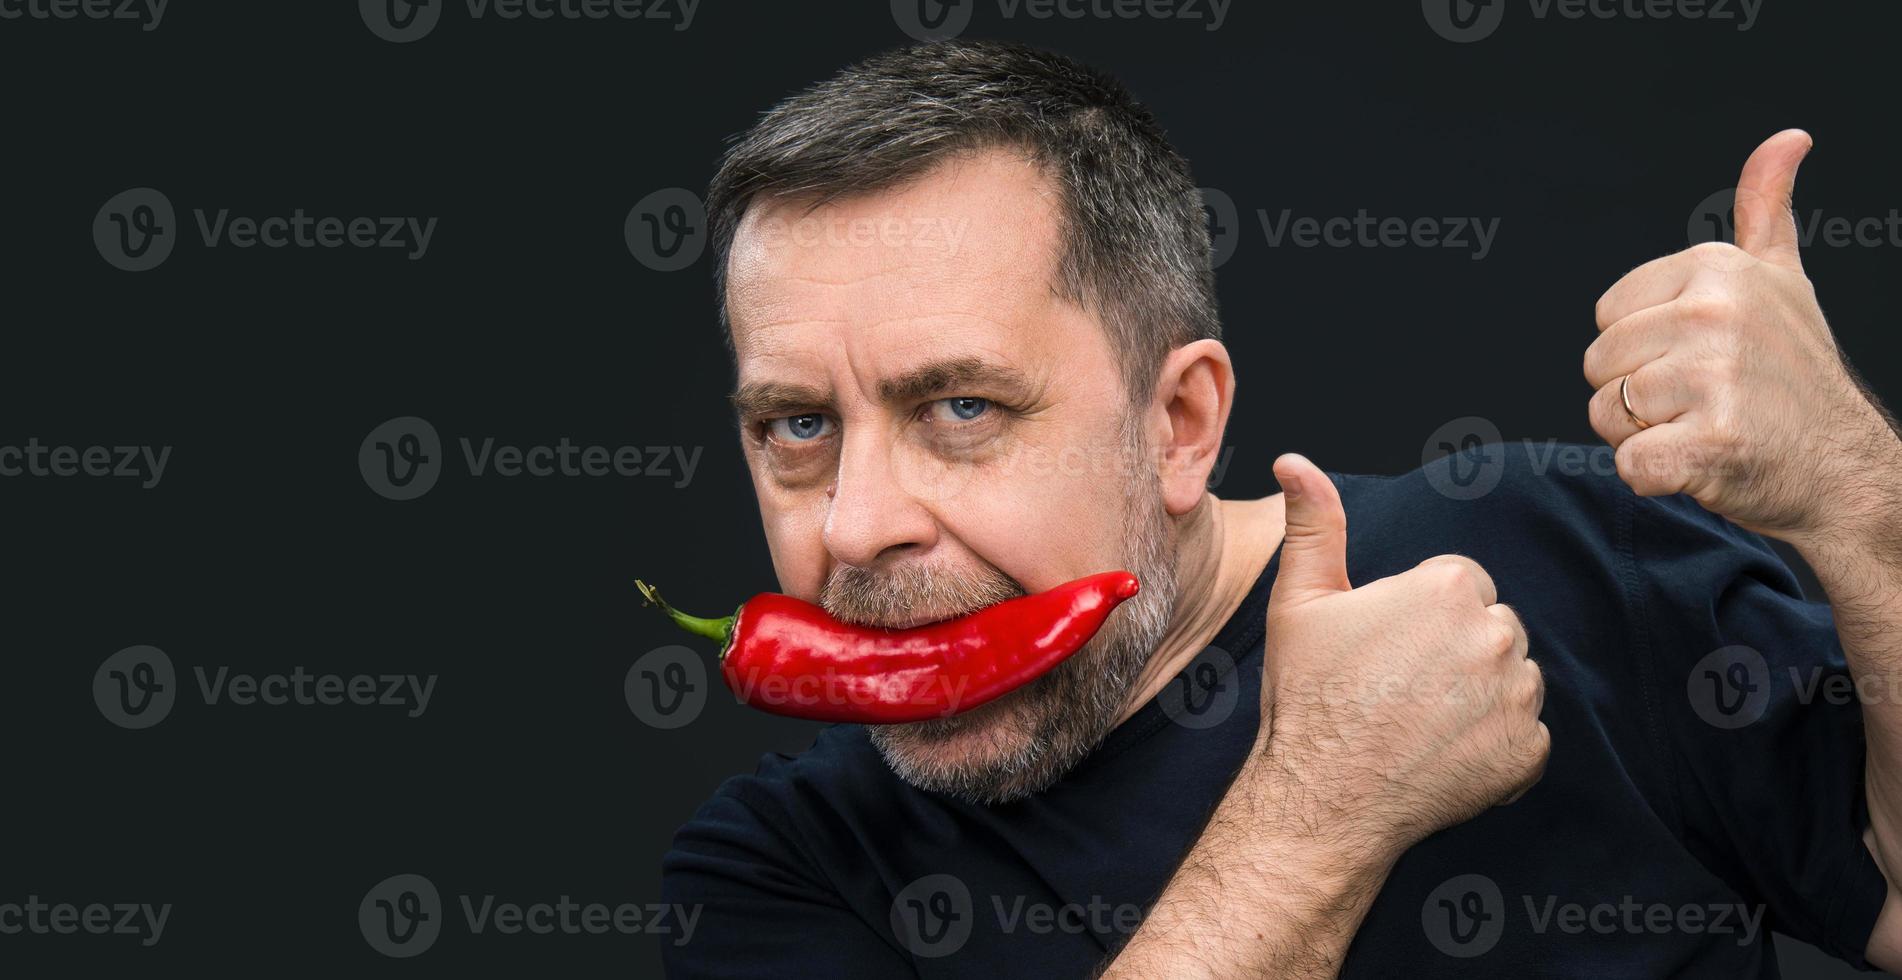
pixel 872 518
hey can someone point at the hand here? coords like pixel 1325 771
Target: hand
pixel 1408 704
pixel 1751 409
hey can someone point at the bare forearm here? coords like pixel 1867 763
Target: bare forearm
pixel 1858 561
pixel 1276 886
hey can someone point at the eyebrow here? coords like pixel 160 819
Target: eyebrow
pixel 766 399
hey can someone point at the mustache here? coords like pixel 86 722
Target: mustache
pixel 912 594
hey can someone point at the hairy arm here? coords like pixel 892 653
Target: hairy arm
pixel 1276 886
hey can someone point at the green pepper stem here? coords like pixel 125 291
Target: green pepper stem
pixel 713 629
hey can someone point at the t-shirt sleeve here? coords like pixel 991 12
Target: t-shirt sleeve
pixel 764 911
pixel 1761 720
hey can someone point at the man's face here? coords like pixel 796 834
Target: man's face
pixel 931 429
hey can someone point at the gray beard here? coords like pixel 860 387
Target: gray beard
pixel 1023 742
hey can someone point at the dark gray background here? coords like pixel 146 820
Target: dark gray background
pixel 263 549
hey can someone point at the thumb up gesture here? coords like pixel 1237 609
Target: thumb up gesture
pixel 1716 375
pixel 1408 703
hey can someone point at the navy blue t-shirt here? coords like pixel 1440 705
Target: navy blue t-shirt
pixel 1704 787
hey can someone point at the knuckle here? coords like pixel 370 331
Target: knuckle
pixel 1724 431
pixel 1729 368
pixel 1631 466
pixel 1717 251
pixel 1510 617
pixel 1602 310
pixel 1433 571
pixel 1501 636
pixel 1709 310
pixel 1665 374
pixel 1533 692
pixel 1602 411
pixel 1453 574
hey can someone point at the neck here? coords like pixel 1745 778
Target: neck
pixel 1222 548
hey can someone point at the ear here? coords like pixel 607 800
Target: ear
pixel 1187 415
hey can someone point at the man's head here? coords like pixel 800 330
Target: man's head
pixel 967 289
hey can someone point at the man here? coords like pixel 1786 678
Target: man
pixel 1572 726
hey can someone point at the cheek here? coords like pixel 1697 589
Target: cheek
pixel 1050 517
pixel 794 526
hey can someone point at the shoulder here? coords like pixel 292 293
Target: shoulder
pixel 1496 480
pixel 1533 503
pixel 1533 480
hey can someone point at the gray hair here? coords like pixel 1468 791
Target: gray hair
pixel 1135 238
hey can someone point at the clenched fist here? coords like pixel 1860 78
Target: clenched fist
pixel 1408 704
pixel 1738 394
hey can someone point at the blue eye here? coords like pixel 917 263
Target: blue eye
pixel 965 408
pixel 799 428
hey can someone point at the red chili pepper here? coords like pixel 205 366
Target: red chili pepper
pixel 789 657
